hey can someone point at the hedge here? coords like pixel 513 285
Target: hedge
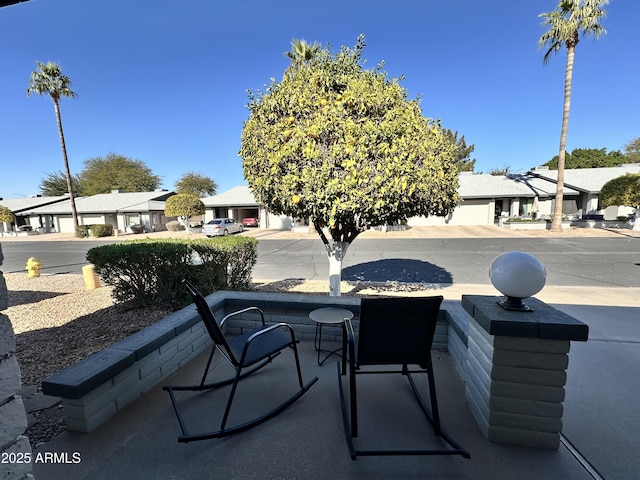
pixel 149 272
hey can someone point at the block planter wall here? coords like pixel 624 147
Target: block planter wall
pixel 14 446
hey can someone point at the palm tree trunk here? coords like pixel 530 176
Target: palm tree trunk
pixel 556 224
pixel 67 171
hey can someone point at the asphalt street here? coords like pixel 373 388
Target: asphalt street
pixel 570 261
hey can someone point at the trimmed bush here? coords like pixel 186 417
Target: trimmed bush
pixel 82 231
pixel 102 230
pixel 174 226
pixel 150 272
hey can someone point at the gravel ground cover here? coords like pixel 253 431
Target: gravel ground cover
pixel 57 323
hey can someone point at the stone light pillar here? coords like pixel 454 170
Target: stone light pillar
pixel 516 369
pixel 14 446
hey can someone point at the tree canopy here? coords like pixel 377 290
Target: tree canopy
pixel 343 146
pixel 55 184
pixel 6 215
pixel 196 184
pixel 462 153
pixel 184 206
pixel 632 150
pixel 116 172
pixel 589 158
pixel 623 190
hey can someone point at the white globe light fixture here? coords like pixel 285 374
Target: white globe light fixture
pixel 517 275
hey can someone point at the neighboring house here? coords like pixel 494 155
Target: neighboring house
pixel 485 198
pixel 118 209
pixel 237 203
pixel 19 205
pixel 588 182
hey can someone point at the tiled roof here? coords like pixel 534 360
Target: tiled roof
pixel 588 180
pixel 240 196
pixel 108 203
pixel 18 205
pixel 515 185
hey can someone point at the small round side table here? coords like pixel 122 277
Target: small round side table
pixel 329 316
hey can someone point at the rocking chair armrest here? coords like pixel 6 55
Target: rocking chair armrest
pixel 351 341
pixel 265 331
pixel 244 310
pixel 270 328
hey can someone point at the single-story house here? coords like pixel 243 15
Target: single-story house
pixel 588 182
pixel 116 208
pixel 485 198
pixel 20 205
pixel 238 203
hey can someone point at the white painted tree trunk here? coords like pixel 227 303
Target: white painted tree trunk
pixel 336 252
pixel 636 221
pixel 185 222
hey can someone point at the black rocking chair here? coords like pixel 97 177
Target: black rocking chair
pixel 394 331
pixel 246 353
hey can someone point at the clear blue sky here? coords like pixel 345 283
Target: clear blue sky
pixel 165 82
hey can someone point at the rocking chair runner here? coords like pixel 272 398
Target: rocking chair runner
pixel 394 331
pixel 247 353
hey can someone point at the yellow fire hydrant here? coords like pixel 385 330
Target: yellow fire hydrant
pixel 33 267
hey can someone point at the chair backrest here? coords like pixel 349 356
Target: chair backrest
pixel 210 321
pixel 397 330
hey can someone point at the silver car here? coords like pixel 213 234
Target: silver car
pixel 221 226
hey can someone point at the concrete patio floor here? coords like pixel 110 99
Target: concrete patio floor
pixel 307 441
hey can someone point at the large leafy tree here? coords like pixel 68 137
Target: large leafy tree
pixel 184 206
pixel 55 184
pixel 116 172
pixel 49 80
pixel 632 150
pixel 6 215
pixel 589 158
pixel 462 153
pixel 567 23
pixel 624 190
pixel 342 145
pixel 196 184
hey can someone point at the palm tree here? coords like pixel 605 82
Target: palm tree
pixel 49 80
pixel 567 23
pixel 302 52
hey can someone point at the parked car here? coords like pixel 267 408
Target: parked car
pixel 221 226
pixel 250 222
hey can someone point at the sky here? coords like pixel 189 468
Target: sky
pixel 165 82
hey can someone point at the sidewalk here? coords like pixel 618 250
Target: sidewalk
pixel 472 231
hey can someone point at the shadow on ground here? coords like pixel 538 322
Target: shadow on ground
pixel 398 270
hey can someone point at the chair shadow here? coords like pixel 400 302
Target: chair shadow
pixel 397 270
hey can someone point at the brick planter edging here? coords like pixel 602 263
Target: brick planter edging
pixel 96 388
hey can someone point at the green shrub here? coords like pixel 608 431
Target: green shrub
pixel 82 231
pixel 102 230
pixel 150 272
pixel 174 226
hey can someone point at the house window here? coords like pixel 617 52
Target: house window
pixel 133 219
pixel 526 207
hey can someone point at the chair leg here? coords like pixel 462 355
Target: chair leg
pixel 354 401
pixel 230 399
pixel 297 360
pixel 206 370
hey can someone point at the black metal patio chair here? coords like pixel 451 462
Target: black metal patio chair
pixel 395 331
pixel 246 353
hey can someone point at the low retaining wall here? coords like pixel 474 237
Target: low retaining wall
pixel 513 363
pixel 96 388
